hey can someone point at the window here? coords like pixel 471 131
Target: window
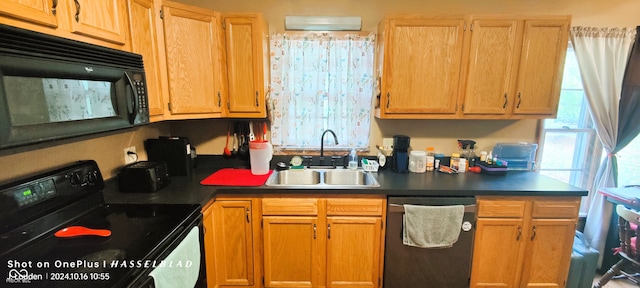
pixel 571 151
pixel 321 81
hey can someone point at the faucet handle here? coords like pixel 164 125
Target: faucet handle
pixel 334 158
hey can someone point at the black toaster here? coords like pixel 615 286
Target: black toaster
pixel 144 177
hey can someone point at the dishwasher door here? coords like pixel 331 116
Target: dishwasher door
pixel 407 267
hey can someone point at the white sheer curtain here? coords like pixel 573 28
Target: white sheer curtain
pixel 602 56
pixel 321 81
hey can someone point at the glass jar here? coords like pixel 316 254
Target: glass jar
pixel 417 161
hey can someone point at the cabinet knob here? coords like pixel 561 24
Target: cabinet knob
pixel 388 97
pixel 519 100
pixel 519 233
pixel 257 102
pixel 329 231
pixel 247 212
pixel 314 231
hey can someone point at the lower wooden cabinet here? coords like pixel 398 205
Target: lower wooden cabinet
pixel 523 241
pixel 324 242
pixel 317 241
pixel 230 244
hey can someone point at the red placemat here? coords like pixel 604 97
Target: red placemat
pixel 235 177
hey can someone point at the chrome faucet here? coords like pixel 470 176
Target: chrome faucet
pixel 322 143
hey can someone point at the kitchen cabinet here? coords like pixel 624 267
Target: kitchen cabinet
pixel 544 47
pixel 331 242
pixel 97 22
pixel 418 66
pixel 523 241
pixel 474 67
pixel 193 61
pixel 39 12
pixel 145 40
pixel 230 242
pixel 247 64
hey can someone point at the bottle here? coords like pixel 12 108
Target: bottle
pixel 455 161
pixel 431 157
pixel 490 158
pixel 353 159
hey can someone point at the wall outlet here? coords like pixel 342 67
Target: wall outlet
pixel 130 155
pixel 387 143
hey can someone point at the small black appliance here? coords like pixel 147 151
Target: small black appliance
pixel 400 154
pixel 175 151
pixel 144 177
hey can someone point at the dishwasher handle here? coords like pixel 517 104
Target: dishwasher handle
pixel 398 208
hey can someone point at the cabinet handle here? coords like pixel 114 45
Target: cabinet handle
pixel 505 101
pixel 329 231
pixel 534 233
pixel 247 212
pixel 257 104
pixel 519 233
pixel 519 101
pixel 54 7
pixel 314 231
pixel 219 99
pixel 388 97
pixel 77 16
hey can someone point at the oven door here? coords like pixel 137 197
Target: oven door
pixel 176 258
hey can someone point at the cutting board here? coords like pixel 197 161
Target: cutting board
pixel 235 177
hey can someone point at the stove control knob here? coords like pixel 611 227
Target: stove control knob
pixel 92 177
pixel 74 178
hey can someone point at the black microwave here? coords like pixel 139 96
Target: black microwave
pixel 53 88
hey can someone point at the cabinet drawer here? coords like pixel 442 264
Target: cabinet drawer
pixel 555 209
pixel 501 208
pixel 289 206
pixel 355 207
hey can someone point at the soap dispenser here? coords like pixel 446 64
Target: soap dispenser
pixel 353 159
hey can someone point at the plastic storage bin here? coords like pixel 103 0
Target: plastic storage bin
pixel 584 261
pixel 520 156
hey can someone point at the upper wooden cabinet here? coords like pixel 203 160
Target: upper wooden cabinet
pixel 490 65
pixel 193 61
pixel 544 47
pixel 419 64
pixel 247 50
pixel 104 20
pixel 98 22
pixel 40 12
pixel 143 20
pixel 495 67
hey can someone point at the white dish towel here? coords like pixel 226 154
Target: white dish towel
pixel 431 226
pixel 182 266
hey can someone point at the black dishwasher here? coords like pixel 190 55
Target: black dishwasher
pixel 408 267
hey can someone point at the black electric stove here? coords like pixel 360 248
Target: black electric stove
pixel 33 209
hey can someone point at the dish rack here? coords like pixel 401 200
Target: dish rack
pixel 370 165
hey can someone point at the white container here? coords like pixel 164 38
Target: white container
pixel 418 161
pixel 260 154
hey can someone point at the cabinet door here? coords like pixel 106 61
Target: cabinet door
pixel 41 12
pixel 104 20
pixel 547 256
pixel 544 48
pixel 244 47
pixel 291 256
pixel 496 252
pixel 233 243
pixel 192 60
pixel 353 251
pixel 144 41
pixel 422 66
pixel 489 68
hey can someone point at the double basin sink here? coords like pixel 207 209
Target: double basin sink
pixel 322 179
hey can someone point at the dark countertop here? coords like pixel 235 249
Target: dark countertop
pixel 187 189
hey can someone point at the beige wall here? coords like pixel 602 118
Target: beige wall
pixel 208 136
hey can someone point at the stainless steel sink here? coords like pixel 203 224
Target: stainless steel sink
pixel 323 179
pixel 296 177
